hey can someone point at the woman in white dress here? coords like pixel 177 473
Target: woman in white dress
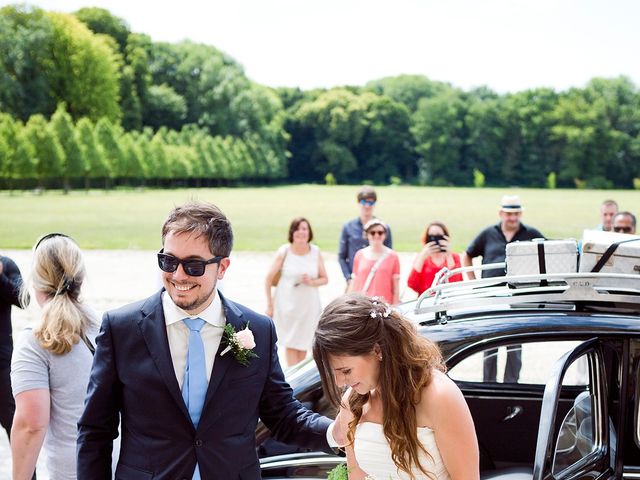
pixel 295 305
pixel 401 416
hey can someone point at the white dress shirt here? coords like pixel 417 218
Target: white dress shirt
pixel 178 333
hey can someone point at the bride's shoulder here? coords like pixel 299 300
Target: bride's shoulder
pixel 440 395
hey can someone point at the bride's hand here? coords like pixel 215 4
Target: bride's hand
pixel 340 430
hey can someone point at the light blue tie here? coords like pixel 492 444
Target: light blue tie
pixel 194 387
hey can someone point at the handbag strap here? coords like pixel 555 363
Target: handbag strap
pixel 284 257
pixel 372 272
pixel 88 343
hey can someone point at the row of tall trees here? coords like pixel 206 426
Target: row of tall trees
pixel 216 125
pixel 60 152
pixel 412 127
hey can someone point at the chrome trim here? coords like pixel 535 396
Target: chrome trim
pixel 297 462
pixel 563 287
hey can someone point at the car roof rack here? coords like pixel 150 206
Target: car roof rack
pixel 623 290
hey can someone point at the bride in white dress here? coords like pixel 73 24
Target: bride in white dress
pixel 401 416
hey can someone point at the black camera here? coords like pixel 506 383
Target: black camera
pixel 436 238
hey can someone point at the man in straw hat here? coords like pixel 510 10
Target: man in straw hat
pixel 490 244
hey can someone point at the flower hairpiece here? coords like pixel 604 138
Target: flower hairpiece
pixel 375 312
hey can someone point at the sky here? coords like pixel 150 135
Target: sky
pixel 507 45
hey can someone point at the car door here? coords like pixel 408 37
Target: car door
pixel 580 443
pixel 506 412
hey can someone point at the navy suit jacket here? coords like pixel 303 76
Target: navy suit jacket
pixel 132 379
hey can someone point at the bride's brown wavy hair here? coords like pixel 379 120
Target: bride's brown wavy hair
pixel 352 325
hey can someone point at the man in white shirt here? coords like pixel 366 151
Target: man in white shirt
pixel 189 372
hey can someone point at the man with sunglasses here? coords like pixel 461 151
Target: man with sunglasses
pixel 188 372
pixel 352 237
pixel 624 222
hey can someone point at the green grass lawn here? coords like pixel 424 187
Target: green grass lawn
pixel 132 219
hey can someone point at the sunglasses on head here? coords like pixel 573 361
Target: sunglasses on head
pixel 193 268
pixel 622 229
pixel 369 203
pixel 50 235
pixel 376 232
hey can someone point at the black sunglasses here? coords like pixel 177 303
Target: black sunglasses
pixel 193 268
pixel 50 235
pixel 622 229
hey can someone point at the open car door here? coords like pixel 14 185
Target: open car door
pixel 579 444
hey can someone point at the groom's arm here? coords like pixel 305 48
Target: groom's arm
pixel 289 421
pixel 98 425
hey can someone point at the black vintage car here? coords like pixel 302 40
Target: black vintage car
pixel 572 412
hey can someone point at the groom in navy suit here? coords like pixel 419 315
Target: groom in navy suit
pixel 185 388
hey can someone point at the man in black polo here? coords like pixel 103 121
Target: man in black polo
pixel 491 245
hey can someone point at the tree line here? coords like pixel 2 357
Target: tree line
pixel 85 102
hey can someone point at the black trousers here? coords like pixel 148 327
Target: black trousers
pixel 511 369
pixel 7 404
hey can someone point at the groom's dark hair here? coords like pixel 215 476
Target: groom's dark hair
pixel 202 219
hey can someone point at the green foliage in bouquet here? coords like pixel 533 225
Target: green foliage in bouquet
pixel 340 472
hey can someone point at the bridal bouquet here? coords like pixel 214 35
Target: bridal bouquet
pixel 341 472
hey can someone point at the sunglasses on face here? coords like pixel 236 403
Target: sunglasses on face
pixel 622 229
pixel 368 203
pixel 376 232
pixel 193 268
pixel 48 236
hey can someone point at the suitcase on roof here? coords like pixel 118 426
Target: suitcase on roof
pixel 610 252
pixel 541 256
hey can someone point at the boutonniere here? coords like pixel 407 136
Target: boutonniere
pixel 239 343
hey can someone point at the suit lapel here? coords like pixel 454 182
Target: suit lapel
pixel 154 331
pixel 222 363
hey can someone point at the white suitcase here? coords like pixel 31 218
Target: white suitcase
pixel 542 256
pixel 624 259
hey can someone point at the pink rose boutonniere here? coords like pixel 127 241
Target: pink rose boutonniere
pixel 239 343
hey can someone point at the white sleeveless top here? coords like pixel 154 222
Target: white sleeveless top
pixel 373 454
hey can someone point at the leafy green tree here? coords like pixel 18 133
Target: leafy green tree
pixel 83 69
pixel 96 165
pixel 408 89
pixel 486 120
pixel 64 130
pixel 109 137
pixel 9 132
pixel 164 107
pixel 134 168
pixel 441 133
pixel 99 20
pixel 49 155
pixel 26 38
pixel 478 178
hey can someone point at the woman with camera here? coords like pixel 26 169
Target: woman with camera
pixel 295 305
pixel 435 255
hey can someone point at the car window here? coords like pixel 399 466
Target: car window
pixel 576 437
pixel 529 363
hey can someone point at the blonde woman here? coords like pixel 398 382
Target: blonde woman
pixel 51 363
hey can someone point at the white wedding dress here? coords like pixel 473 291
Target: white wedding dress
pixel 373 454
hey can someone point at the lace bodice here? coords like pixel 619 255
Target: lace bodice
pixel 373 454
